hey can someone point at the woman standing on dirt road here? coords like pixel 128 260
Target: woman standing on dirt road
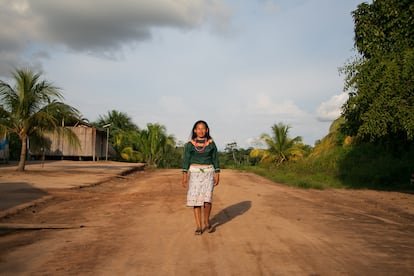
pixel 201 172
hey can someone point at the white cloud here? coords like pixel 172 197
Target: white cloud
pixel 331 109
pixel 264 104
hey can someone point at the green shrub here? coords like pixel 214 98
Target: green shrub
pixel 358 167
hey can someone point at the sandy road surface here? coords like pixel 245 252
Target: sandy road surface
pixel 138 225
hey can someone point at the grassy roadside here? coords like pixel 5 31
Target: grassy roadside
pixel 361 167
pixel 295 175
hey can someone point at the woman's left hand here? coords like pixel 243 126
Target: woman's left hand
pixel 216 179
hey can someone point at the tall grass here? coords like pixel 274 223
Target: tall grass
pixel 358 167
pixel 307 173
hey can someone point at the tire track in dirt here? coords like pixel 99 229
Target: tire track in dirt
pixel 139 225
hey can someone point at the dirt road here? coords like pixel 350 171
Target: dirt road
pixel 138 225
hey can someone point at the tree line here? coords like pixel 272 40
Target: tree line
pixel 33 107
pixel 377 118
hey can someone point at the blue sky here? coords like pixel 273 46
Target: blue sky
pixel 240 65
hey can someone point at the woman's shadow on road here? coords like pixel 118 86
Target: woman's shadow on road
pixel 229 213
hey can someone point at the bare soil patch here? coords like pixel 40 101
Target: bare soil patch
pixel 138 224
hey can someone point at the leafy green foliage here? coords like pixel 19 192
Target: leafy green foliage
pixel 380 108
pixel 156 147
pixel 383 27
pixel 337 162
pixel 373 166
pixel 332 140
pixel 280 146
pixel 118 120
pixel 362 166
pixel 123 134
pixel 234 156
pixel 32 108
pixel 151 145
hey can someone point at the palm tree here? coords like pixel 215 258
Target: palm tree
pixel 118 120
pixel 280 147
pixel 154 143
pixel 32 108
pixel 123 134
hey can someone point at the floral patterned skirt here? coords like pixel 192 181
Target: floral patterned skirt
pixel 200 185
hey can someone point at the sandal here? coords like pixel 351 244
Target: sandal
pixel 198 232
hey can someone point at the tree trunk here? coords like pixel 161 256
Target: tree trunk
pixel 234 158
pixel 22 161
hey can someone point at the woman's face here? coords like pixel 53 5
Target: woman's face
pixel 200 130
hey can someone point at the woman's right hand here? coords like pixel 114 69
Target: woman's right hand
pixel 185 180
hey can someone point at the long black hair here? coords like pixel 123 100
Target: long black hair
pixel 193 135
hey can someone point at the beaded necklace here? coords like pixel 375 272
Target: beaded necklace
pixel 198 148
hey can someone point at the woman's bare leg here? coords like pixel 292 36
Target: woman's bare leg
pixel 197 216
pixel 207 211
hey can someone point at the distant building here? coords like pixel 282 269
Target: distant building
pixel 93 145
